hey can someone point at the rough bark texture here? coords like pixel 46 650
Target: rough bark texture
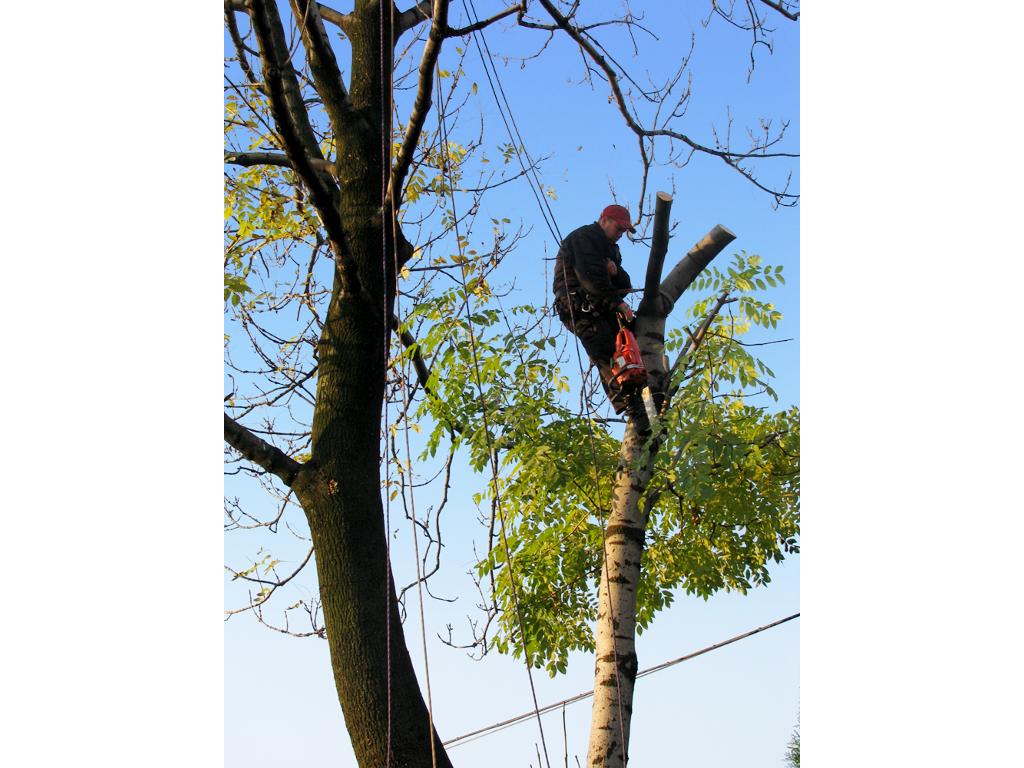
pixel 616 661
pixel 339 487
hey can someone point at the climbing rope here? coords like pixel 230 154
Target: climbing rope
pixel 385 169
pixel 387 80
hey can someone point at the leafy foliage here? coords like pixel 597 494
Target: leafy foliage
pixel 792 758
pixel 725 488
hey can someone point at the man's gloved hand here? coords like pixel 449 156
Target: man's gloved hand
pixel 625 312
pixel 612 269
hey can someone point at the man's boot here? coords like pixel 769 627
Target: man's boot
pixel 612 388
pixel 637 413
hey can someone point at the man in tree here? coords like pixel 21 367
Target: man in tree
pixel 589 287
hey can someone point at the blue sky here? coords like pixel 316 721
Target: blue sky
pixel 753 685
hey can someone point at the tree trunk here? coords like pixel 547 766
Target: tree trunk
pixel 615 665
pixel 341 496
pixel 339 487
pixel 616 661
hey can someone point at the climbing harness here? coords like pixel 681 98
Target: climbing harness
pixel 572 304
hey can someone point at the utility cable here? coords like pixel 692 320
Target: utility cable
pixel 488 730
pixel 488 65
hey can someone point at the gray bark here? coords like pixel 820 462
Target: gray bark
pixel 616 663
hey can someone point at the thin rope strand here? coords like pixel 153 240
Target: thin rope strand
pixel 483 404
pixel 408 449
pixel 384 172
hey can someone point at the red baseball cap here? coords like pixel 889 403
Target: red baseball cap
pixel 619 214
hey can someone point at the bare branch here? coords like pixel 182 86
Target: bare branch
pixel 297 134
pixel 230 8
pixel 260 452
pixel 460 31
pixel 728 156
pixel 781 8
pixel 689 267
pixel 408 19
pixel 341 20
pixel 422 104
pixel 323 65
pixel 249 159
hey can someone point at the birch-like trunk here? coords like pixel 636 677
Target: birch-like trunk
pixel 616 661
pixel 615 665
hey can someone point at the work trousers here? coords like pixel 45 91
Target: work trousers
pixel 597 331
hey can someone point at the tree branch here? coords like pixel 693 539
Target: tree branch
pixel 230 7
pixel 460 31
pixel 696 339
pixel 422 371
pixel 409 342
pixel 780 7
pixel 341 20
pixel 260 452
pixel 422 104
pixel 300 142
pixel 691 265
pixel 408 19
pixel 323 65
pixel 249 159
pixel 659 247
pixel 728 156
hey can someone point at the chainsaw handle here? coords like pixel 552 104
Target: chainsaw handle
pixel 623 311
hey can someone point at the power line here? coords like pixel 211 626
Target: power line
pixel 486 731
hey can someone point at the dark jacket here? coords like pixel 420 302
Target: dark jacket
pixel 581 267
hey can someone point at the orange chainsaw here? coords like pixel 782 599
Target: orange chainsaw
pixel 628 368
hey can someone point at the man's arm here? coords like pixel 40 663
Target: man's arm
pixel 620 279
pixel 591 266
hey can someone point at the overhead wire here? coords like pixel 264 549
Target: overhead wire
pixel 545 208
pixel 500 726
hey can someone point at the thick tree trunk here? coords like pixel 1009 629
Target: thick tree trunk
pixel 339 488
pixel 616 661
pixel 341 497
pixel 343 503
